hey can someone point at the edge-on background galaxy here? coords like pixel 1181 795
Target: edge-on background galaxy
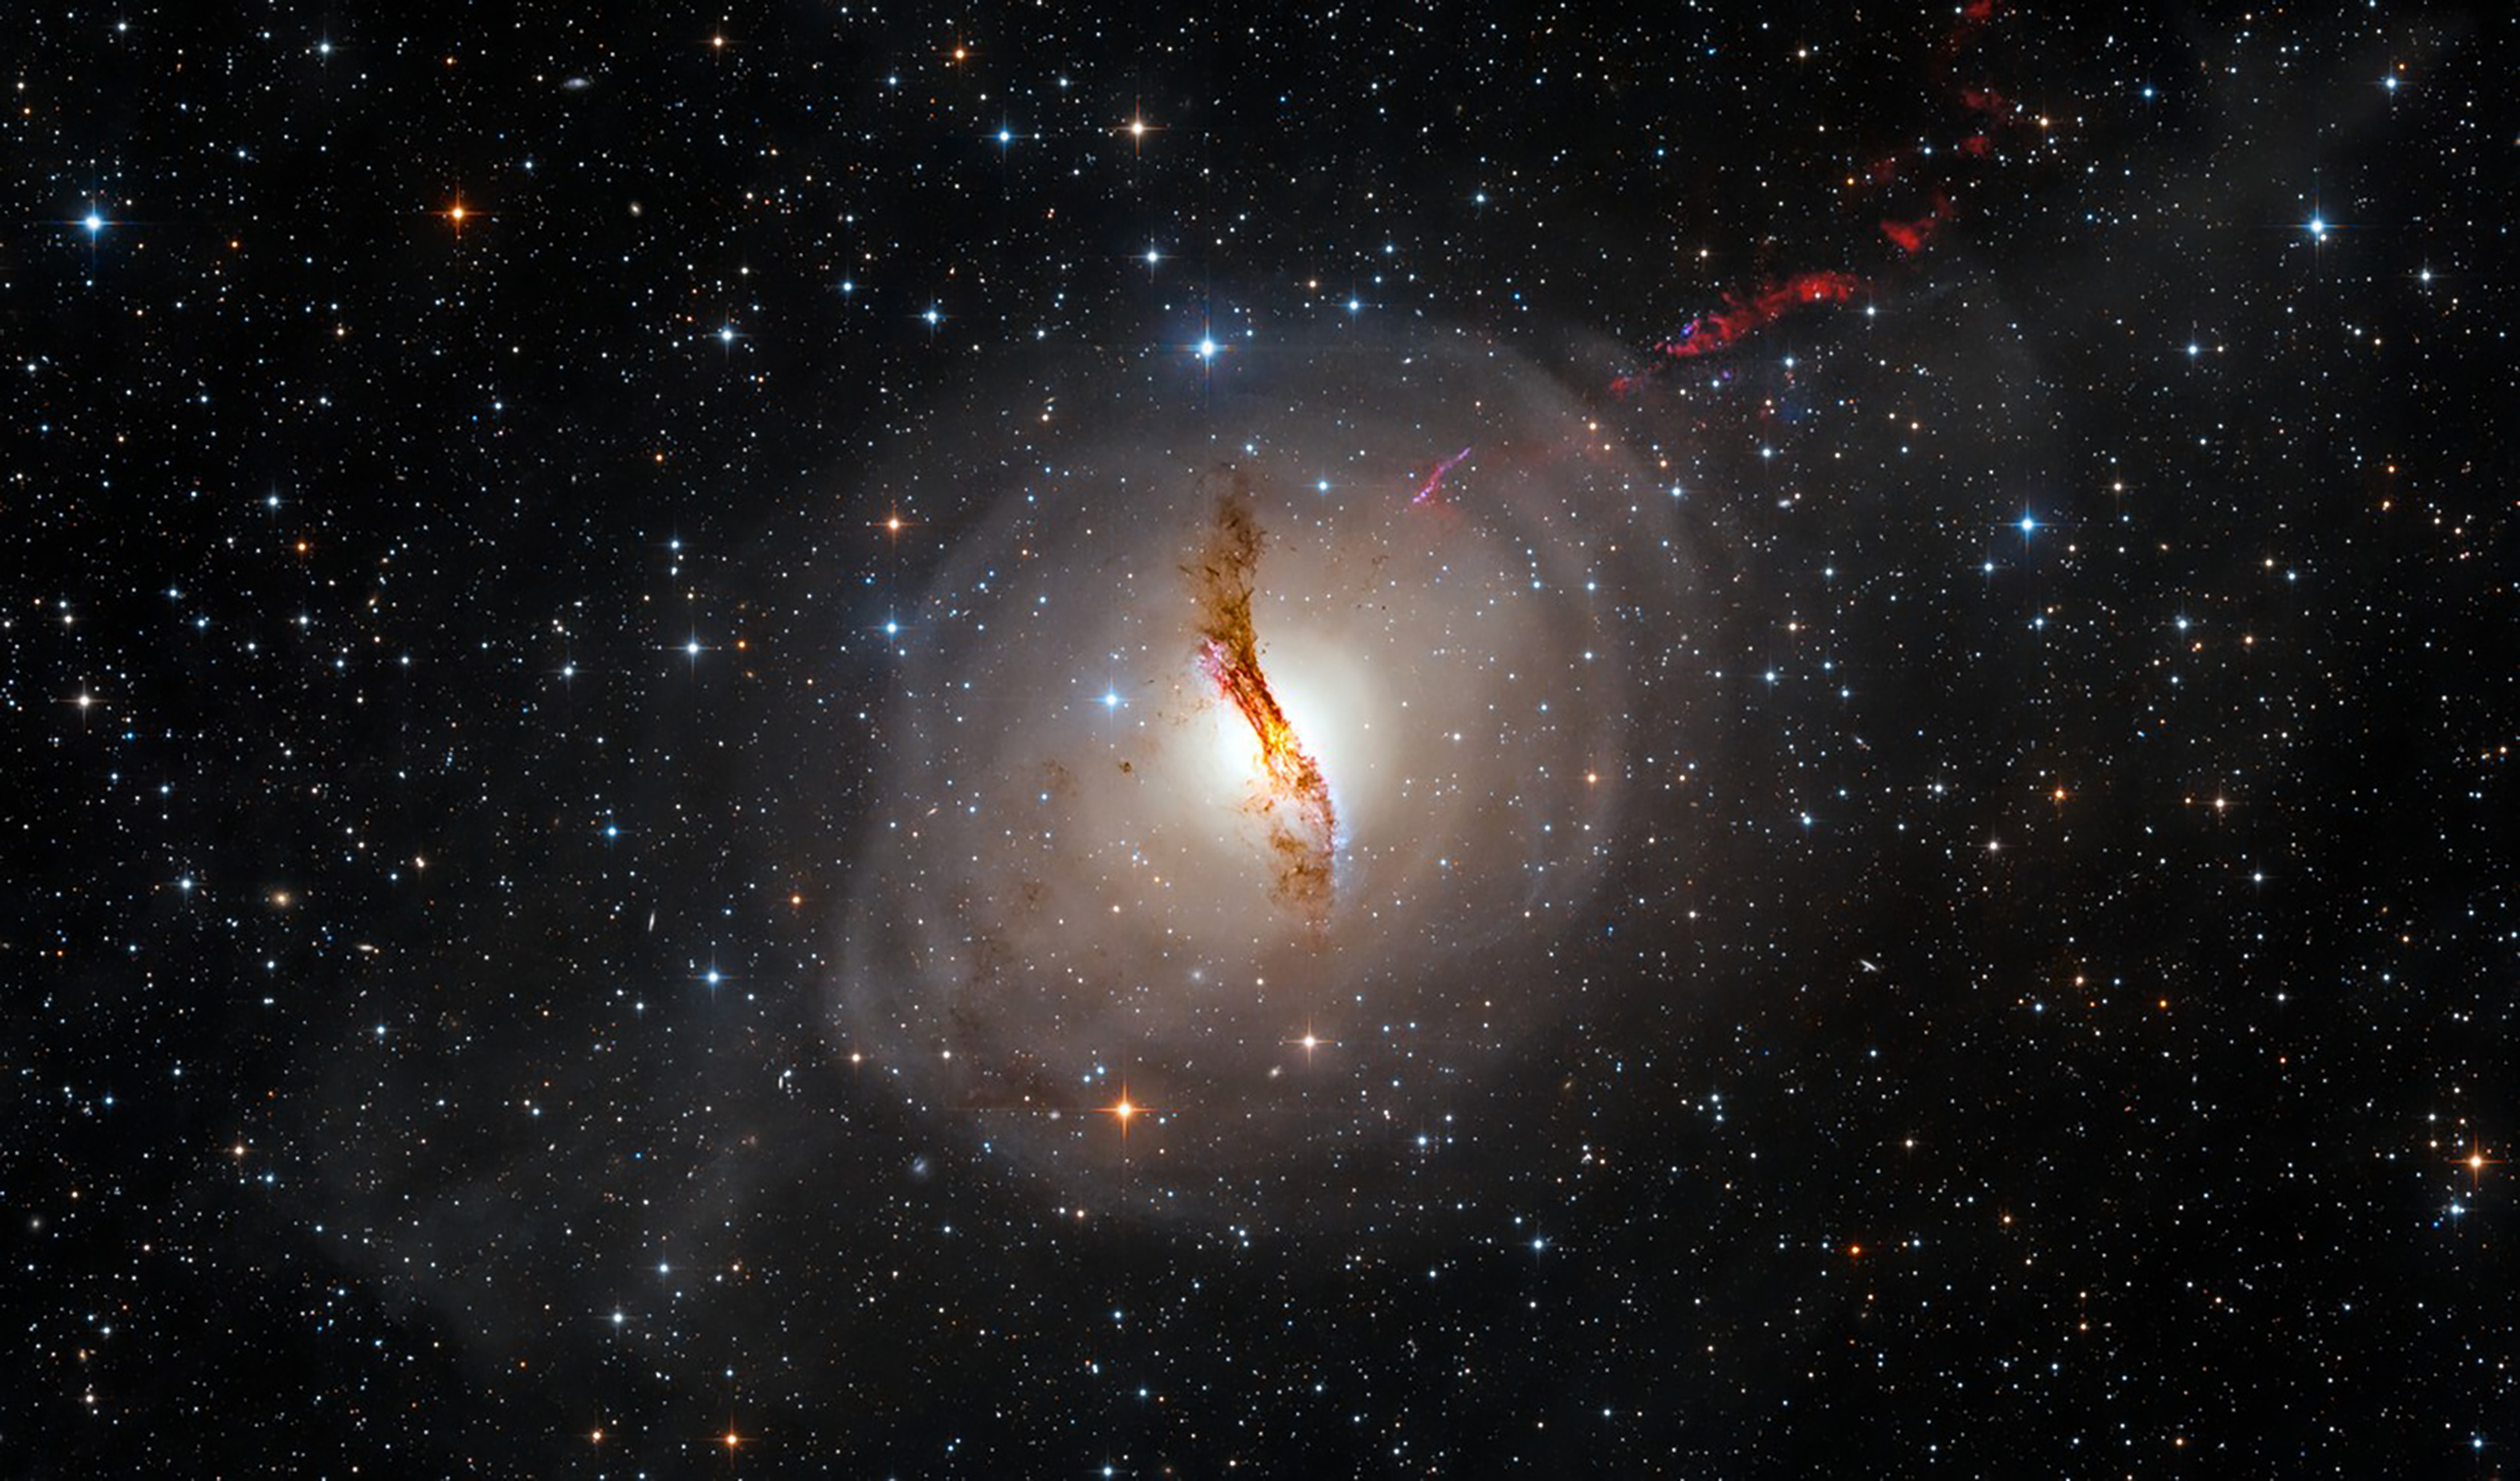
pixel 1239 804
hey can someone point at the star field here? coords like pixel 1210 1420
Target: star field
pixel 626 867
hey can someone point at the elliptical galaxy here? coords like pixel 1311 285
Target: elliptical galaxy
pixel 1076 890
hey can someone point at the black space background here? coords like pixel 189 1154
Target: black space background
pixel 1966 1131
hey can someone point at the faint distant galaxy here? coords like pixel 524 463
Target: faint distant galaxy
pixel 1085 880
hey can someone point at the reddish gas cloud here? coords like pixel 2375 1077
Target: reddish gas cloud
pixel 1991 115
pixel 1741 316
pixel 1915 234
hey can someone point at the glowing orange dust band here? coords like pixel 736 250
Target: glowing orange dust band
pixel 1302 829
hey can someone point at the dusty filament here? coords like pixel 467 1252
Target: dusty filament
pixel 1303 845
pixel 1302 830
